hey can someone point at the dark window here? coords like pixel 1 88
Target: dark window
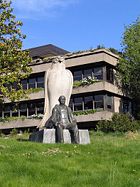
pixel 77 75
pixel 87 72
pixel 24 84
pixel 71 104
pixel 40 82
pixel 109 74
pixel 98 73
pixel 31 109
pixel 40 107
pixel 98 101
pixel 109 102
pixel 78 103
pixel 1 110
pixel 14 111
pixel 23 109
pixel 7 109
pixel 125 106
pixel 88 102
pixel 32 82
pixel 15 86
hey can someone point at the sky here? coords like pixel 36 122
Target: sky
pixel 75 24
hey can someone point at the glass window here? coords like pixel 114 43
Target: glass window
pixel 88 102
pixel 87 72
pixel 98 101
pixel 78 103
pixel 15 86
pixel 40 107
pixel 23 109
pixel 14 110
pixel 109 74
pixel 24 84
pixel 98 73
pixel 32 82
pixel 109 102
pixel 125 106
pixel 77 75
pixel 71 104
pixel 7 109
pixel 40 82
pixel 31 109
pixel 1 110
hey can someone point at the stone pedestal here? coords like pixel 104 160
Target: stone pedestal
pixel 48 136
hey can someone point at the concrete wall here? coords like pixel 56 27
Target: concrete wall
pixel 117 104
pixel 91 58
pixel 26 123
pixel 98 86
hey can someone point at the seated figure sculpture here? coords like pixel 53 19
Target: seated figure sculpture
pixel 62 118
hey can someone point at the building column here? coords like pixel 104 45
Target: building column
pixel 104 73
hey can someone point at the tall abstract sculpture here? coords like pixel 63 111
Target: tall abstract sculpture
pixel 58 81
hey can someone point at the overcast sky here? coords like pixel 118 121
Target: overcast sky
pixel 75 24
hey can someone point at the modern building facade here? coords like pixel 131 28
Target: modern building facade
pixel 95 95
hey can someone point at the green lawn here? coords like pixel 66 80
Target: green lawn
pixel 109 161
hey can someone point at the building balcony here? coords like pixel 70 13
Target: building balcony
pixel 32 96
pixel 98 86
pixel 26 123
pixel 97 116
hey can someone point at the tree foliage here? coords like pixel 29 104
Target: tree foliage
pixel 13 60
pixel 129 66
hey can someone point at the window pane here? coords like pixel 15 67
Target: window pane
pixel 7 109
pixel 87 72
pixel 109 102
pixel 15 86
pixel 125 106
pixel 31 109
pixel 77 75
pixel 88 102
pixel 78 103
pixel 109 74
pixel 40 107
pixel 71 104
pixel 1 110
pixel 14 111
pixel 32 83
pixel 98 73
pixel 23 109
pixel 40 82
pixel 98 101
pixel 24 84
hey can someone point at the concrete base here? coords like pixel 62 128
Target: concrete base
pixel 48 136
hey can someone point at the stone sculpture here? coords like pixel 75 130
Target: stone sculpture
pixel 58 81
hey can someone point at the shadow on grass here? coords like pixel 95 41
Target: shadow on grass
pixel 23 140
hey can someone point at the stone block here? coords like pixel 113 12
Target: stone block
pixel 66 135
pixel 48 136
pixel 84 137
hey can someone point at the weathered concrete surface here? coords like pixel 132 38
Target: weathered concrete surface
pixel 48 136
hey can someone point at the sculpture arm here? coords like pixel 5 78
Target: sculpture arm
pixel 72 118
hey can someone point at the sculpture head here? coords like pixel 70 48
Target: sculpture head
pixel 58 59
pixel 62 100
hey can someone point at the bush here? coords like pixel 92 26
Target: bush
pixel 13 132
pixel 120 123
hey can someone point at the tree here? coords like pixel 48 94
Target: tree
pixel 13 60
pixel 129 66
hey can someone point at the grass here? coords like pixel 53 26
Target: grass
pixel 109 161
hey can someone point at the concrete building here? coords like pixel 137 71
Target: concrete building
pixel 95 95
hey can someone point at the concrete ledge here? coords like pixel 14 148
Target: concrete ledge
pixel 48 136
pixel 25 123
